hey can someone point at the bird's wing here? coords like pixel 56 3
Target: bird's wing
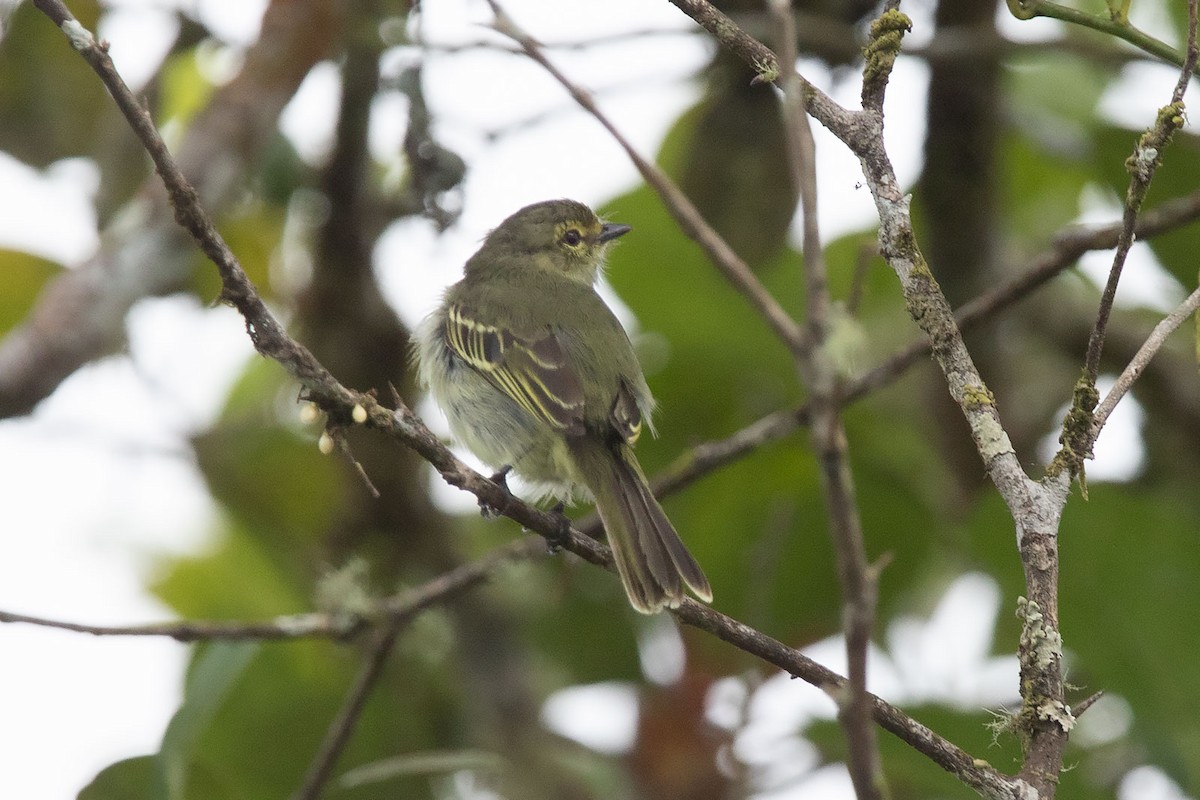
pixel 626 416
pixel 533 371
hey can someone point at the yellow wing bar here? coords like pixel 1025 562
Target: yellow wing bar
pixel 534 373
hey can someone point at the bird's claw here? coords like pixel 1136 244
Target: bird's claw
pixel 500 478
pixel 563 534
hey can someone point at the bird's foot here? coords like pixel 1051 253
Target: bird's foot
pixel 500 479
pixel 563 534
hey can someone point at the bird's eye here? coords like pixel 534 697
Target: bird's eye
pixel 572 237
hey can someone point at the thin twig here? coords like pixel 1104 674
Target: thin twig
pixel 595 40
pixel 1083 705
pixel 976 773
pixel 1169 122
pixel 764 62
pixel 337 735
pixel 336 625
pixel 686 215
pixel 343 445
pixel 1103 22
pixel 296 626
pixel 1141 359
pixel 1079 429
pixel 1142 165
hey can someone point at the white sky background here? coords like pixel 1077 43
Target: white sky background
pixel 101 483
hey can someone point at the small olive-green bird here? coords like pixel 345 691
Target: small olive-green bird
pixel 535 373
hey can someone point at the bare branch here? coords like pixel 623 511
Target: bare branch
pixel 336 625
pixel 1142 165
pixel 297 626
pixel 976 773
pixel 1036 508
pixel 1141 360
pixel 1169 119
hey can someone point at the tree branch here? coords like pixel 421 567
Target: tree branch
pixel 1105 23
pixel 1141 360
pixel 1079 429
pixel 1067 247
pixel 829 435
pixel 336 625
pixel 1036 508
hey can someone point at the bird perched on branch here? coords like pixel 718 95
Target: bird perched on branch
pixel 536 375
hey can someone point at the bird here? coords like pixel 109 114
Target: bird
pixel 536 375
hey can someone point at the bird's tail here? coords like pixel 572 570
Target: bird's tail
pixel 655 565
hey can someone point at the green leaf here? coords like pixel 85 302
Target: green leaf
pixel 184 90
pixel 1048 154
pixel 52 104
pixel 274 479
pixel 131 779
pixel 727 153
pixel 24 275
pixel 214 671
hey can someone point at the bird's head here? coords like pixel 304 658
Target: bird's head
pixel 559 236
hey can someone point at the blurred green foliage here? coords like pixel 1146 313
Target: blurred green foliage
pixel 24 276
pixel 253 715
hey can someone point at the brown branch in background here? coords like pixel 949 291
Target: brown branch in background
pixel 816 365
pixel 1068 246
pixel 682 210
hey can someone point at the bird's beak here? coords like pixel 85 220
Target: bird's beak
pixel 611 230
